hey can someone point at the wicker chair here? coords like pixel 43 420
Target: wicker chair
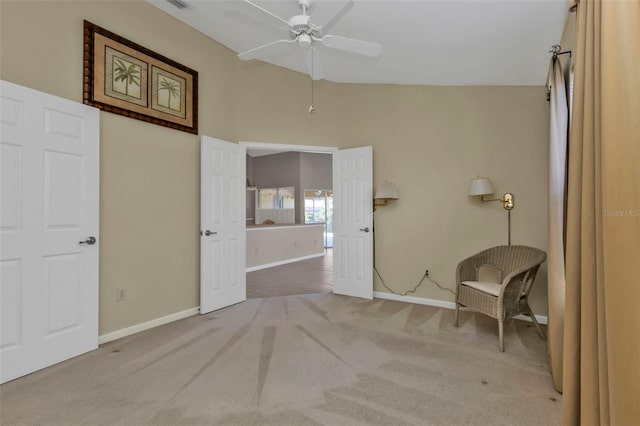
pixel 517 267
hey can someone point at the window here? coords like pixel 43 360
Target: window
pixel 276 198
pixel 318 208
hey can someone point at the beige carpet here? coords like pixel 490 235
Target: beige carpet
pixel 300 360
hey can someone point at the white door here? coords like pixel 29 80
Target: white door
pixel 222 224
pixel 49 155
pixel 353 222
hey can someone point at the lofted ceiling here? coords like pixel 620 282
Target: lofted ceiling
pixel 425 42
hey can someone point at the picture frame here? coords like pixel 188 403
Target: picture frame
pixel 122 77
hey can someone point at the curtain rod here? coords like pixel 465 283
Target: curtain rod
pixel 556 51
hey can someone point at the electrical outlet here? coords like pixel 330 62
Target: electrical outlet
pixel 426 273
pixel 121 294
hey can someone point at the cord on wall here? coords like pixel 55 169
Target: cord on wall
pixel 426 275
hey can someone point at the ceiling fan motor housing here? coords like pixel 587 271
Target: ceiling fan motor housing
pixel 300 24
pixel 307 35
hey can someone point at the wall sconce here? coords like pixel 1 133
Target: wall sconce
pixel 481 186
pixel 386 192
pixel 251 186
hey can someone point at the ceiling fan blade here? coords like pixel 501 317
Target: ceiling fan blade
pixel 253 18
pixel 268 13
pixel 326 27
pixel 315 70
pixel 264 50
pixel 360 47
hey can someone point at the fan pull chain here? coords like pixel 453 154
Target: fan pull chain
pixel 312 109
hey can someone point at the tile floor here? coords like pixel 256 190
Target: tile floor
pixel 304 277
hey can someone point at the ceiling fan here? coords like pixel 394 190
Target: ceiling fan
pixel 309 36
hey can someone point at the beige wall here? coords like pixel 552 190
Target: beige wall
pixel 429 140
pixel 149 214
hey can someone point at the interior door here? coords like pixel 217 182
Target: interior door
pixel 49 155
pixel 353 222
pixel 222 218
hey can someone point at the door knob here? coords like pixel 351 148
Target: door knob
pixel 208 233
pixel 365 229
pixel 90 241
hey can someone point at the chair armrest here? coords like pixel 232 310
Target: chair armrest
pixel 466 270
pixel 514 273
pixel 510 292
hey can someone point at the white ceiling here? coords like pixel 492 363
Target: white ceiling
pixel 427 42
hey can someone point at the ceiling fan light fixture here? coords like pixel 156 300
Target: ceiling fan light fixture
pixel 304 40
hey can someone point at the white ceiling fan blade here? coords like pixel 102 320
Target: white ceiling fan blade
pixel 252 17
pixel 326 27
pixel 360 47
pixel 317 73
pixel 268 13
pixel 264 50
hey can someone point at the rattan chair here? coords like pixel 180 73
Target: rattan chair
pixel 516 267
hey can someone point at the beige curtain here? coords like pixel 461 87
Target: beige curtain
pixel 555 252
pixel 601 378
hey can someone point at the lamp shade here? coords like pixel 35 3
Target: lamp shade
pixel 387 191
pixel 480 186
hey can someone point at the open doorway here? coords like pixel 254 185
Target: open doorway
pixel 223 242
pixel 289 221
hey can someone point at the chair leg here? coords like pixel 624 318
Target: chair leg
pixel 455 321
pixel 501 334
pixel 535 322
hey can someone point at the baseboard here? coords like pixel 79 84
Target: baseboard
pixel 413 299
pixel 118 334
pixel 540 318
pixel 283 262
pixel 440 304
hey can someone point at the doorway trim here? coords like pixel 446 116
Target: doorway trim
pixel 314 149
pixel 285 147
pixel 356 174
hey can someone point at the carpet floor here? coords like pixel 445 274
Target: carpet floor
pixel 316 359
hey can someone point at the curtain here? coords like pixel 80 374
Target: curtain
pixel 601 364
pixel 555 251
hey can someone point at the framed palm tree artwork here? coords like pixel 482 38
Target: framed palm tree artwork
pixel 125 78
pixel 168 92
